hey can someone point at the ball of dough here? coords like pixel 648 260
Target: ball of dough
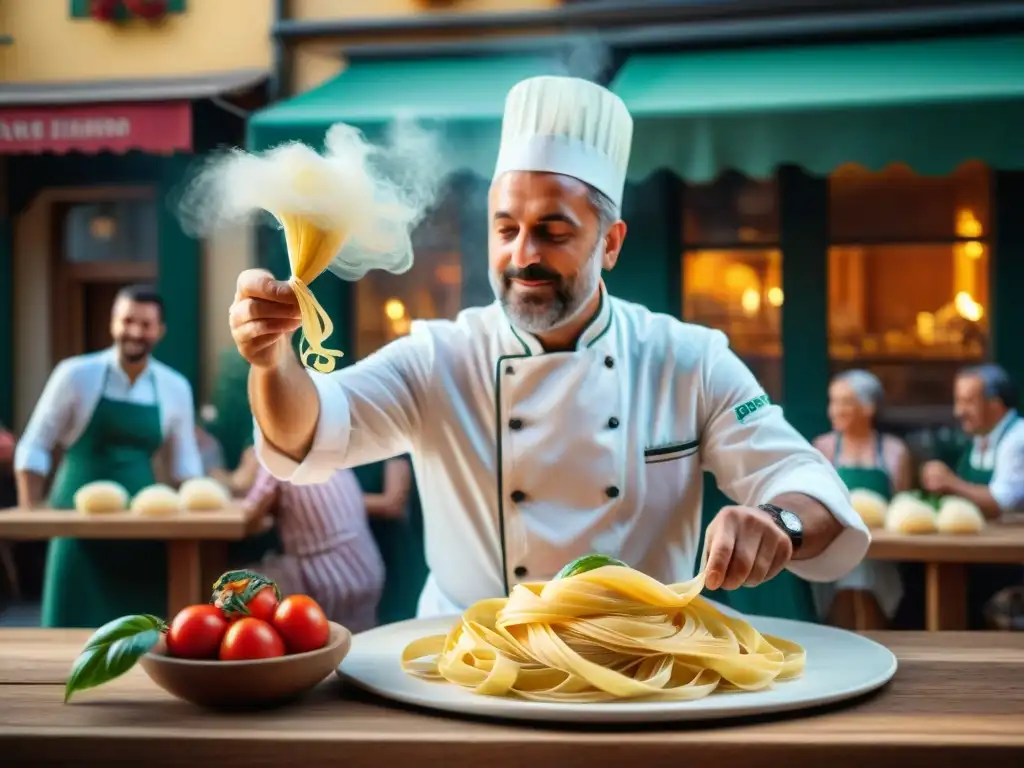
pixel 958 515
pixel 910 515
pixel 203 494
pixel 156 500
pixel 101 497
pixel 870 506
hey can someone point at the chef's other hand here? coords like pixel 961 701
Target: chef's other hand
pixel 936 477
pixel 744 548
pixel 263 316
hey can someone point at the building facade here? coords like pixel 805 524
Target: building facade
pixel 104 108
pixel 834 185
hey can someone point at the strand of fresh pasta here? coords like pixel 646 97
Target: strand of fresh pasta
pixel 602 635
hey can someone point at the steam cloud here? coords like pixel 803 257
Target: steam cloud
pixel 375 193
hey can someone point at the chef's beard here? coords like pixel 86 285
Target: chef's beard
pixel 537 314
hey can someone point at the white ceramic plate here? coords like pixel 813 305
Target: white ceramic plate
pixel 840 665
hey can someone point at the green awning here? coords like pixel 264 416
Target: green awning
pixel 932 104
pixel 464 96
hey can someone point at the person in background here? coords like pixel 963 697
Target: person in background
pixel 864 459
pixel 990 472
pixel 6 448
pixel 209 447
pixel 329 551
pixel 111 411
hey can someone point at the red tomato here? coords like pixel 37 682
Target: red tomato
pixel 196 632
pixel 250 638
pixel 262 605
pixel 302 624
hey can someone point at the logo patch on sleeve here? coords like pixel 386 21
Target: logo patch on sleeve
pixel 745 410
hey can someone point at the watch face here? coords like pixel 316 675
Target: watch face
pixel 791 521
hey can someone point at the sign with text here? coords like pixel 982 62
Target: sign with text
pixel 156 128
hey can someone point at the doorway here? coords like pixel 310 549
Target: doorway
pixel 102 241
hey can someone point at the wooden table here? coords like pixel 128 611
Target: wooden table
pixel 945 559
pixel 957 699
pixel 184 533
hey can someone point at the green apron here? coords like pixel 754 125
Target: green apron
pixel 882 579
pixel 88 582
pixel 983 581
pixel 401 546
pixel 787 596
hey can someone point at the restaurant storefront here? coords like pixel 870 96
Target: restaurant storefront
pixel 90 182
pixel 103 110
pixel 830 199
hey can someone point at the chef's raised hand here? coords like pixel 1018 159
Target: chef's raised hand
pixel 744 547
pixel 263 316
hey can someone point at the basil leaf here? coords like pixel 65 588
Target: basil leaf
pixel 587 563
pixel 112 650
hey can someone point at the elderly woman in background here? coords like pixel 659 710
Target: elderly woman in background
pixel 868 460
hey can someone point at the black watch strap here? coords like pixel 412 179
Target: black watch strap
pixel 787 521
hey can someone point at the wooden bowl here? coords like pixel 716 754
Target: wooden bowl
pixel 243 684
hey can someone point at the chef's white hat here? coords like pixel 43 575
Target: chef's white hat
pixel 568 126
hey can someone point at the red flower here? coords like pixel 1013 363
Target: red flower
pixel 104 10
pixel 146 9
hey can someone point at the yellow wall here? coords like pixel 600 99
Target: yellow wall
pixel 315 61
pixel 211 36
pixel 333 9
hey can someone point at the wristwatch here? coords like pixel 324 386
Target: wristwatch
pixel 787 521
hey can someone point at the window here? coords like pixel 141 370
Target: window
pixel 732 269
pixel 908 278
pixel 386 304
pixel 119 230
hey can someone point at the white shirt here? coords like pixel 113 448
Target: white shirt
pixel 75 388
pixel 1003 454
pixel 526 460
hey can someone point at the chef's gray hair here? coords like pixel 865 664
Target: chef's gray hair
pixel 865 386
pixel 997 382
pixel 607 211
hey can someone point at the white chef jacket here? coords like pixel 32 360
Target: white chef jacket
pixel 75 388
pixel 527 459
pixel 1003 455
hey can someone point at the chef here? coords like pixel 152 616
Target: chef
pixel 110 411
pixel 990 472
pixel 559 420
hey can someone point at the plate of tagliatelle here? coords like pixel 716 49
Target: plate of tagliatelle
pixel 604 643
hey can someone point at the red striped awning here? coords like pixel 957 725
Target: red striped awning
pixel 157 128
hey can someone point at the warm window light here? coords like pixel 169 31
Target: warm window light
pixel 775 296
pixel 967 225
pixel 973 249
pixel 750 301
pixel 967 307
pixel 102 228
pixel 926 327
pixel 394 309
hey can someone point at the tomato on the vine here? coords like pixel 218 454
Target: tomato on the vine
pixel 196 632
pixel 302 624
pixel 250 638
